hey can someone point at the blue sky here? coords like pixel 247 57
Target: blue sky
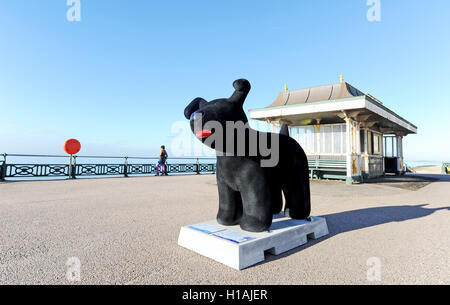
pixel 118 79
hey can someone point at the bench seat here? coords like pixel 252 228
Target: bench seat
pixel 328 169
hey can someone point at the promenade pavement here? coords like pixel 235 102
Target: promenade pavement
pixel 125 230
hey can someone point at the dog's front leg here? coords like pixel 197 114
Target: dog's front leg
pixel 230 205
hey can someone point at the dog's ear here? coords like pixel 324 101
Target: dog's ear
pixel 193 106
pixel 242 88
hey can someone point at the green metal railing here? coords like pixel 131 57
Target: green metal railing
pixel 73 169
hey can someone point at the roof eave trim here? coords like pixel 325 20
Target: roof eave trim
pixel 334 105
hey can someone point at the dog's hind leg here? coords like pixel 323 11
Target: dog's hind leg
pixel 297 195
pixel 276 199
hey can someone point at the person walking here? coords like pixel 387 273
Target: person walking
pixel 162 162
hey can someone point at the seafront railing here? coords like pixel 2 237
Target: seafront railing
pixel 125 167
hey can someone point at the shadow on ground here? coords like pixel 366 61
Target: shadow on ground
pixel 359 219
pixel 408 182
pixel 436 177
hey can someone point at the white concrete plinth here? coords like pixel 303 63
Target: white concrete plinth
pixel 284 234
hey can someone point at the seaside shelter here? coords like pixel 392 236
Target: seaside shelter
pixel 345 133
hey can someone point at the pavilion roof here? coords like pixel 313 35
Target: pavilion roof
pixel 331 104
pixel 315 94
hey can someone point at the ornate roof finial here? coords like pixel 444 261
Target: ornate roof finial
pixel 285 88
pixel 342 78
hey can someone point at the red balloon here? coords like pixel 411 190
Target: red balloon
pixel 72 146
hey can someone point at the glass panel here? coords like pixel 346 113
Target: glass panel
pixel 361 137
pixel 390 146
pixel 316 139
pixel 376 144
pixel 327 139
pixel 388 149
pixel 344 139
pixel 320 149
pixel 302 137
pixel 293 132
pixel 394 150
pixel 309 139
pixel 337 147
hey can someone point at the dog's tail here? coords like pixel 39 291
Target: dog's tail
pixel 284 130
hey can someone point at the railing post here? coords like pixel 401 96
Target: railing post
pixel 74 168
pixel 69 173
pixel 125 167
pixel 3 168
pixel 197 169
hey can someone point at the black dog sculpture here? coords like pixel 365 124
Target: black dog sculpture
pixel 249 194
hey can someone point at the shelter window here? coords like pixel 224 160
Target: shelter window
pixel 322 139
pixel 374 143
pixel 390 146
pixel 362 135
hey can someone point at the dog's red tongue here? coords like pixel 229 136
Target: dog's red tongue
pixel 203 133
